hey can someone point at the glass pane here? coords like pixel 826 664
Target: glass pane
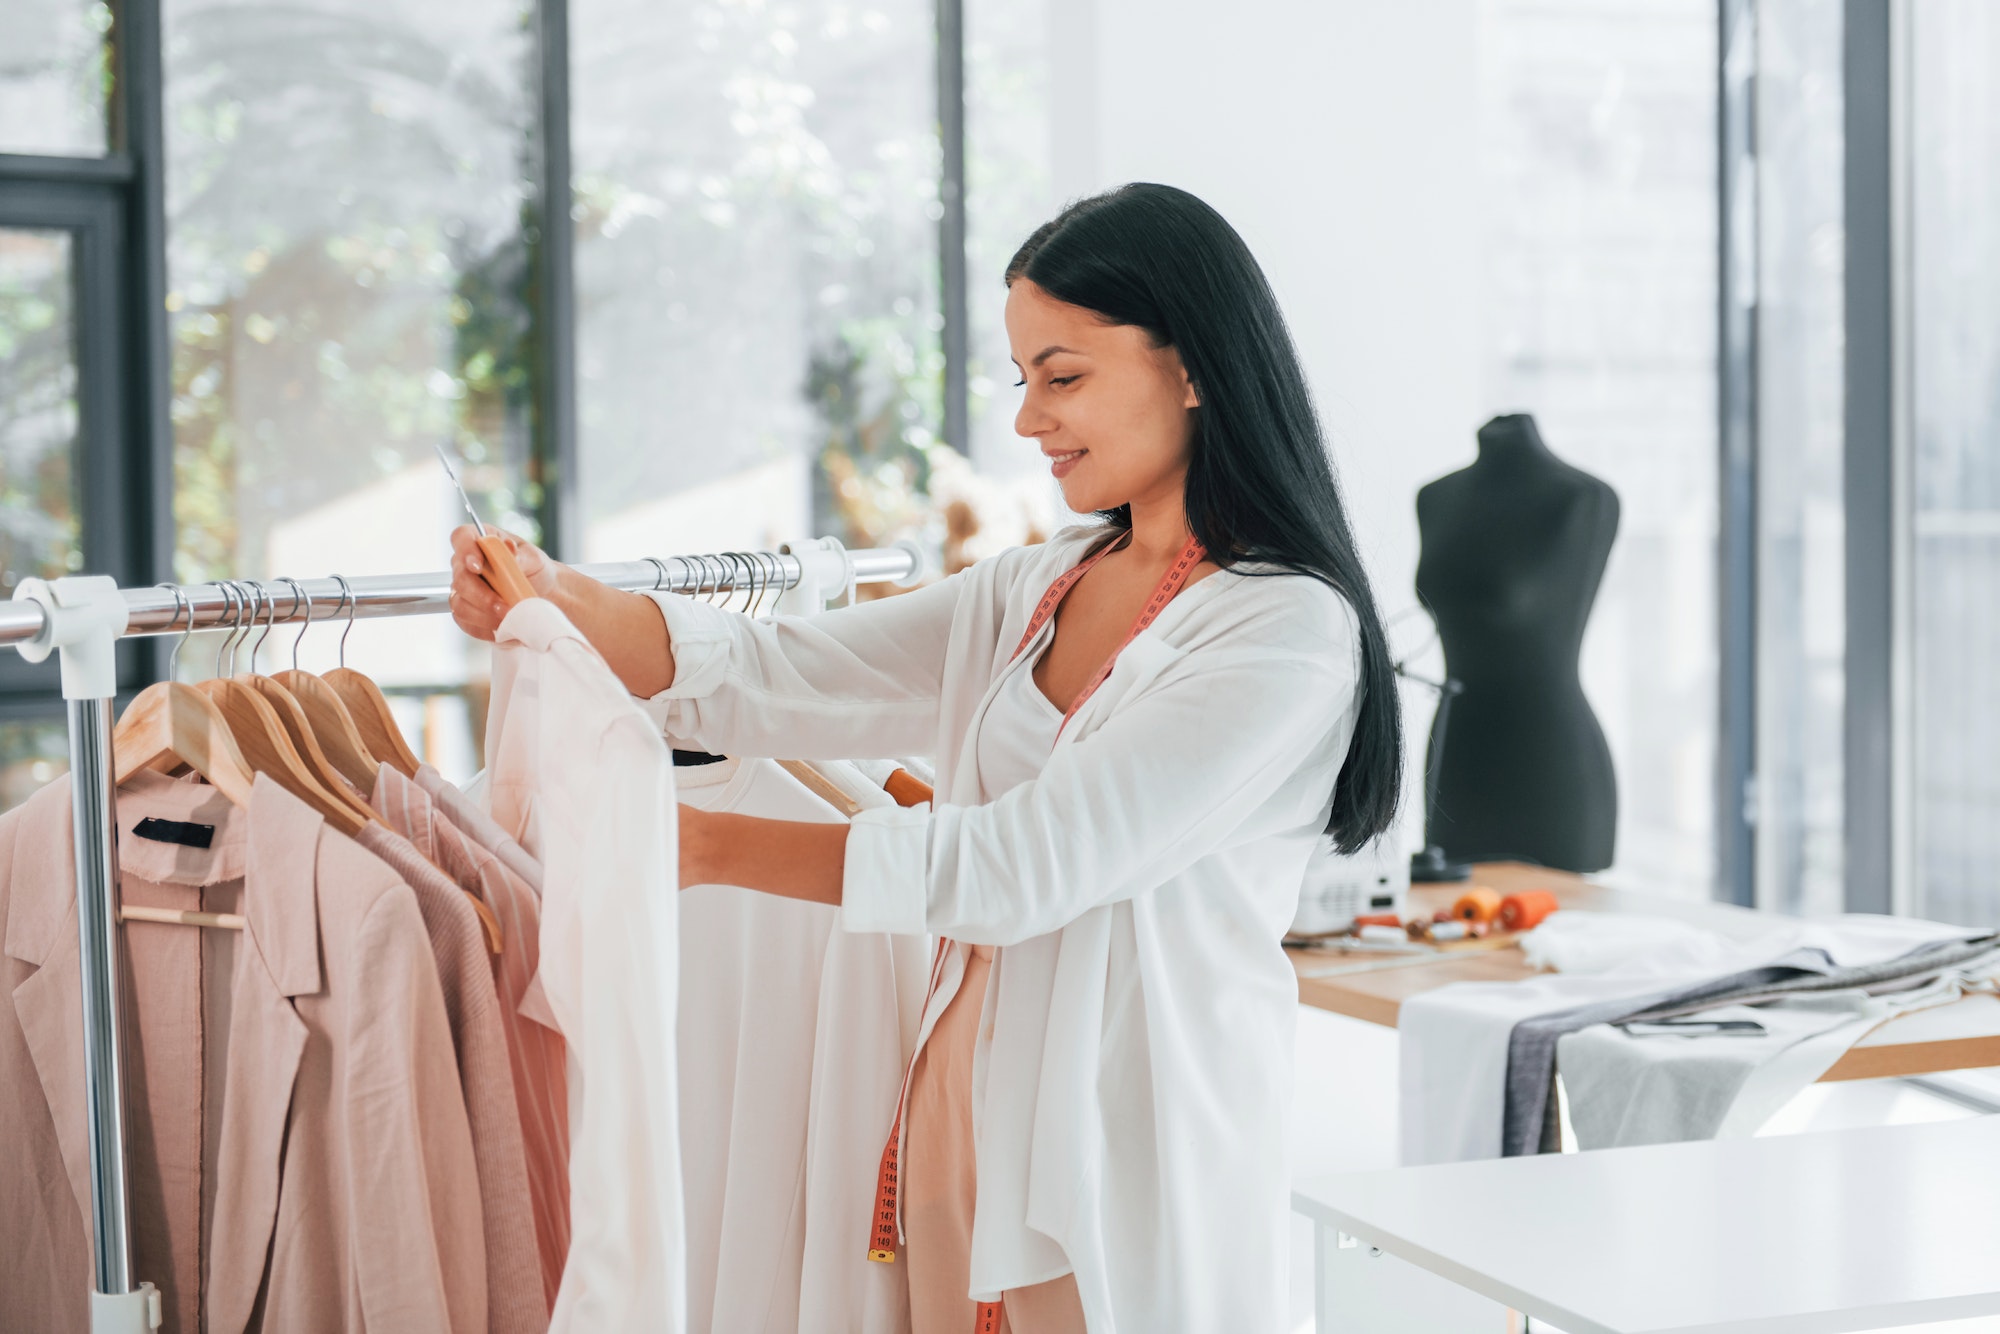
pixel 55 76
pixel 38 418
pixel 1955 382
pixel 1801 593
pixel 1010 149
pixel 756 259
pixel 1599 158
pixel 33 753
pixel 350 233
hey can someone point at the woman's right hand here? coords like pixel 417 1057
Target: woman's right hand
pixel 626 629
pixel 474 605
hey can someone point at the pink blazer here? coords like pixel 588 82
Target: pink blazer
pixel 336 1173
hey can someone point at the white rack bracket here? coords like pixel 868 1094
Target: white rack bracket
pixel 126 1312
pixel 85 614
pixel 826 572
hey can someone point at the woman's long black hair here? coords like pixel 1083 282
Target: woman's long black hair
pixel 1259 486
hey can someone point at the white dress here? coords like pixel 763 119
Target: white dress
pixel 793 1040
pixel 1133 1094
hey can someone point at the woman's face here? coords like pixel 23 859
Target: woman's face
pixel 1112 413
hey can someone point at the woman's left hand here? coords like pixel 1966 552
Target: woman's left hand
pixel 794 859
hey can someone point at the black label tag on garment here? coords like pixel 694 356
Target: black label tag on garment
pixel 183 832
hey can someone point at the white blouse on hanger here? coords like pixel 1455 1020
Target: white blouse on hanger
pixel 1133 1095
pixel 583 781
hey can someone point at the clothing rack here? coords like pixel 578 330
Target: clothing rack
pixel 85 615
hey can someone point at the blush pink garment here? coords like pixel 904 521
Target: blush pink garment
pixel 514 1299
pixel 939 1185
pixel 468 815
pixel 299 1153
pixel 535 1051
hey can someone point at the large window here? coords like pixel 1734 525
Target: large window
pixel 757 271
pixel 1600 264
pixel 349 197
pixel 54 70
pixel 684 275
pixel 40 532
pixel 1795 805
pixel 1953 330
pixel 345 247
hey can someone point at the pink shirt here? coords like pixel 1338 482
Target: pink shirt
pixel 535 1051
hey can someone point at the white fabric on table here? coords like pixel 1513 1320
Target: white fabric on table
pixel 582 779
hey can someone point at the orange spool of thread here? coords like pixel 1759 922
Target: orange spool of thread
pixel 1519 912
pixel 1477 904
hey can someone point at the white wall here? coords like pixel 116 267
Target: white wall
pixel 1340 138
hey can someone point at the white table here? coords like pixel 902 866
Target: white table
pixel 1801 1234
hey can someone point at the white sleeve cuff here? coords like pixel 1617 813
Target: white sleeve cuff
pixel 699 634
pixel 882 886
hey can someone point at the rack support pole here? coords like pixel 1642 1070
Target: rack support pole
pixel 84 616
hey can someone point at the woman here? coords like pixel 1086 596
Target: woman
pixel 1140 728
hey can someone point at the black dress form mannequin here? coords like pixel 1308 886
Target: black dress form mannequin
pixel 1513 549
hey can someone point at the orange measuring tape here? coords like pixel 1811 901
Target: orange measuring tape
pixel 888 1181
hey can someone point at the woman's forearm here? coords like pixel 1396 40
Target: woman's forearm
pixel 626 629
pixel 794 859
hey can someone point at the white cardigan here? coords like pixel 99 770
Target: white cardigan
pixel 1133 1081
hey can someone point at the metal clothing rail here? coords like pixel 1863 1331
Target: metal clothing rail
pixel 84 616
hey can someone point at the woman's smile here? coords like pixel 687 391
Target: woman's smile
pixel 1062 465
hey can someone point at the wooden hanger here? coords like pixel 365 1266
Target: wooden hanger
pixel 262 738
pixel 367 705
pixel 168 720
pixel 369 708
pixel 297 727
pixel 331 722
pixel 327 713
pixel 908 789
pixel 822 787
pixel 340 729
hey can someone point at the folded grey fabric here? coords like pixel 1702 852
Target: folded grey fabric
pixel 1664 1089
pixel 1526 1126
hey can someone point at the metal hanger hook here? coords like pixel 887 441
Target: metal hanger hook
pixel 774 579
pixel 253 600
pixel 299 596
pixel 181 600
pixel 271 622
pixel 347 600
pixel 253 603
pixel 232 607
pixel 659 571
pixel 739 567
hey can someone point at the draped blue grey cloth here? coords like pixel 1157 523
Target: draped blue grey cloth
pixel 1527 1125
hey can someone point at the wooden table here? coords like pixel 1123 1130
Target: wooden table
pixel 1373 987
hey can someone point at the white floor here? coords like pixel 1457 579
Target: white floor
pixel 1344 1119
